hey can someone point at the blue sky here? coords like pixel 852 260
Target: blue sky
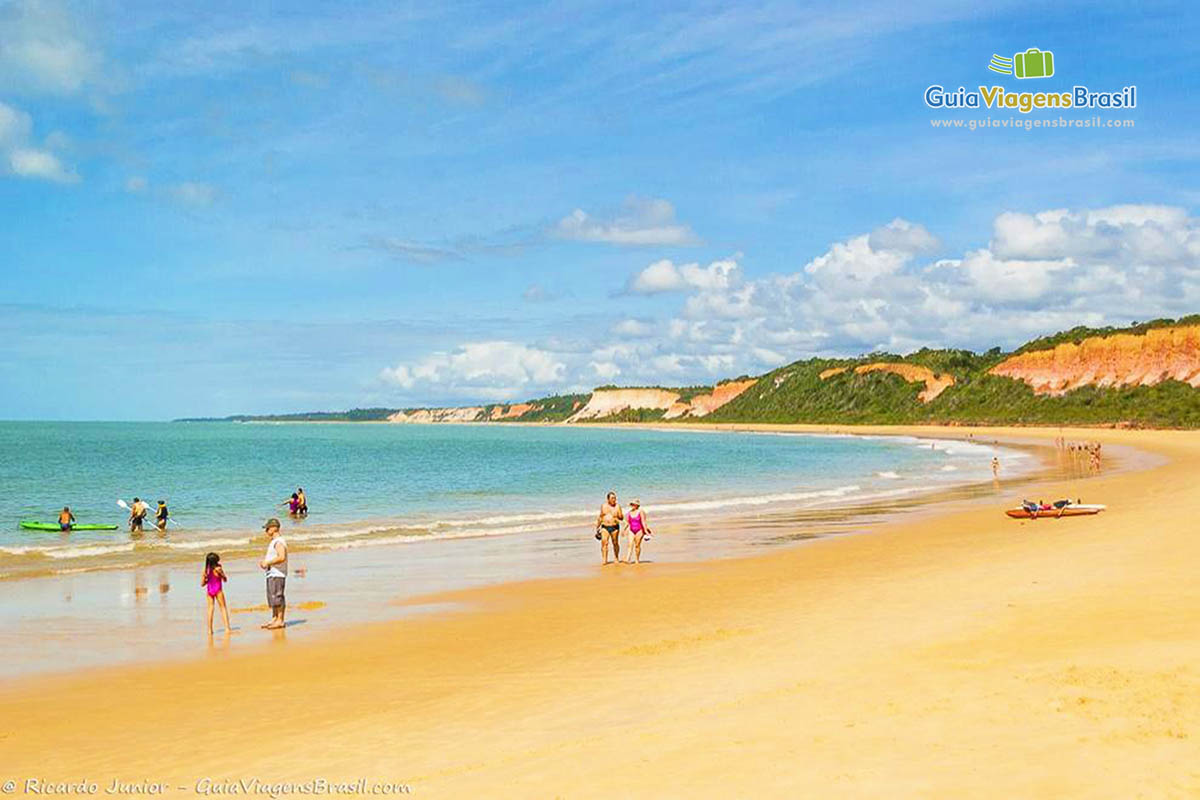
pixel 222 208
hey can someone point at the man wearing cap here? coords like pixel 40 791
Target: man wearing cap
pixel 275 564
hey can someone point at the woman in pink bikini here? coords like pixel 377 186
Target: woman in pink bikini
pixel 214 585
pixel 638 530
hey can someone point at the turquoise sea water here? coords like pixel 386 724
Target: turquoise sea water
pixel 376 483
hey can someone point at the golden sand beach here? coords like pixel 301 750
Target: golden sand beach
pixel 955 654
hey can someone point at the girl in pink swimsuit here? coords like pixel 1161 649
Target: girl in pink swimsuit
pixel 638 530
pixel 214 585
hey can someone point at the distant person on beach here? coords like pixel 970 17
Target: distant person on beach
pixel 214 585
pixel 160 517
pixel 66 519
pixel 638 530
pixel 995 467
pixel 608 526
pixel 137 515
pixel 302 502
pixel 275 565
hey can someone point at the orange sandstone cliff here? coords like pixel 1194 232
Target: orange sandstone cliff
pixel 606 402
pixel 934 384
pixel 704 404
pixel 1124 359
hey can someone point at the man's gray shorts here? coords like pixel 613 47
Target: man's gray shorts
pixel 275 592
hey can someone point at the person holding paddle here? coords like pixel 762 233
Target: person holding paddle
pixel 137 515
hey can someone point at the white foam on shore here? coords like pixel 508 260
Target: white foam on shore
pixel 83 551
pixel 205 544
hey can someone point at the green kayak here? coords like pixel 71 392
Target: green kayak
pixel 30 525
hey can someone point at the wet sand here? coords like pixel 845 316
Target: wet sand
pixel 948 654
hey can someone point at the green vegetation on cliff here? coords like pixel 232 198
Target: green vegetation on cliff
pixel 797 393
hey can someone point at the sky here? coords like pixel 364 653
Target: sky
pixel 220 208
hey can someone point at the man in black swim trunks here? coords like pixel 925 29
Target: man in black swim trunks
pixel 608 526
pixel 137 515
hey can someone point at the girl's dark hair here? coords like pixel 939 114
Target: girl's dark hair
pixel 211 562
pixel 295 496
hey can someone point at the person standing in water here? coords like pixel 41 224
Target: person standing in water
pixel 137 515
pixel 160 517
pixel 638 530
pixel 302 499
pixel 66 519
pixel 275 565
pixel 608 526
pixel 995 467
pixel 293 505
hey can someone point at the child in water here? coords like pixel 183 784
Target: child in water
pixel 214 584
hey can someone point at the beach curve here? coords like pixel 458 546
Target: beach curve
pixel 957 654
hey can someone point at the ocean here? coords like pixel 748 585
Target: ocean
pixel 379 484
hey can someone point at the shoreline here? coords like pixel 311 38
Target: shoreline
pixel 156 615
pixel 52 554
pixel 906 618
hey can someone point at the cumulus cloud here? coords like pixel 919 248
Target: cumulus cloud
pixel 30 163
pixel 665 276
pixel 886 290
pixel 641 222
pixel 22 158
pixel 491 370
pixel 44 49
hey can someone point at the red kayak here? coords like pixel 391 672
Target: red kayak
pixel 1068 510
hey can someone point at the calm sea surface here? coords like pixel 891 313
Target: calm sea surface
pixel 374 484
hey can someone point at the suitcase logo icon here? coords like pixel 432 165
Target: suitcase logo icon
pixel 1033 63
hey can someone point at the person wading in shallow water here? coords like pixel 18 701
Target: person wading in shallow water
pixel 137 515
pixel 608 527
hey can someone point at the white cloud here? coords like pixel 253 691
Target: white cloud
pixel 883 291
pixel 665 276
pixel 604 370
pixel 491 369
pixel 29 163
pixel 633 329
pixel 20 157
pixel 903 236
pixel 15 126
pixel 642 221
pixel 44 49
